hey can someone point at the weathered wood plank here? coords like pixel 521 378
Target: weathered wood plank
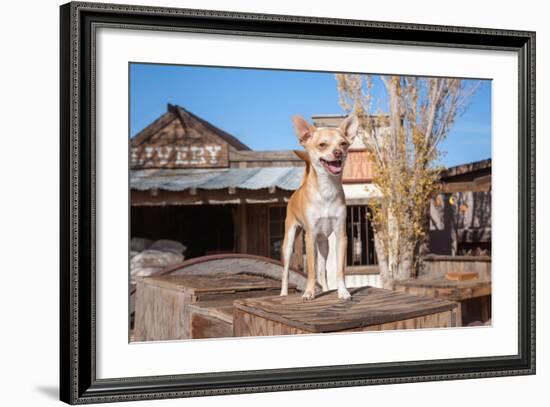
pixel 222 309
pixel 238 263
pixel 183 143
pixel 269 156
pixel 465 292
pixel 219 283
pixel 461 275
pixel 445 319
pixel 456 259
pixel 470 186
pixel 362 270
pixel 326 313
pixel 440 287
pixel 171 307
pixel 201 196
pixel 203 326
pixel 245 323
pixel 160 313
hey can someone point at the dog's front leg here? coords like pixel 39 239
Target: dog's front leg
pixel 309 293
pixel 341 247
pixel 291 227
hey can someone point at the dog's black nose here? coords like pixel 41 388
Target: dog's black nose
pixel 337 153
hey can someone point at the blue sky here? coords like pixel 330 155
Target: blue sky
pixel 256 106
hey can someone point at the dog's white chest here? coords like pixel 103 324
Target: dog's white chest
pixel 327 218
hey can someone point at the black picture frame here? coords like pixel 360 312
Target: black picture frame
pixel 78 382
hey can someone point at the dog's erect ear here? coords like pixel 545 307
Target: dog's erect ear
pixel 303 129
pixel 349 127
pixel 302 155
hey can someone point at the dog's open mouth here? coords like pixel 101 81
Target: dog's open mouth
pixel 334 167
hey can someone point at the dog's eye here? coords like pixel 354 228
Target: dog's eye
pixel 323 145
pixel 343 144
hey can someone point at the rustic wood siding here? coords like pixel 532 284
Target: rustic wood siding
pixel 250 324
pixel 252 159
pixel 160 313
pixel 176 146
pixel 171 307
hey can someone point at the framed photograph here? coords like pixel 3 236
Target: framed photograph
pixel 255 203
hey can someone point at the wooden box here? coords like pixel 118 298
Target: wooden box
pixel 171 307
pixel 466 292
pixel 370 309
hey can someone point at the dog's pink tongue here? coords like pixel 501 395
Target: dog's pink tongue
pixel 335 169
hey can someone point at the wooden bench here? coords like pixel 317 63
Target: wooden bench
pixel 171 307
pixel 370 309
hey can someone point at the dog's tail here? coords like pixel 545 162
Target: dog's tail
pixel 304 157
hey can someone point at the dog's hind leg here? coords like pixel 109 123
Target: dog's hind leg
pixel 322 254
pixel 341 247
pixel 309 293
pixel 288 247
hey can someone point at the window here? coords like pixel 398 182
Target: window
pixel 360 237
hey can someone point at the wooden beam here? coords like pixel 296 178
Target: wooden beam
pixel 203 197
pixel 470 186
pixel 361 270
pixel 486 179
pixel 282 155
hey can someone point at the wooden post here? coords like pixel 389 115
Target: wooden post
pixel 242 213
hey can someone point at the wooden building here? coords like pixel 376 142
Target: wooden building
pixel 460 216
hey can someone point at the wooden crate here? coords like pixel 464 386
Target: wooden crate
pixel 173 307
pixel 462 291
pixel 370 309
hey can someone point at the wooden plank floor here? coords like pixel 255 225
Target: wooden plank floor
pixel 326 313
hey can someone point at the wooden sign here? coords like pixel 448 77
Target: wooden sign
pixel 180 139
pixel 358 167
pixel 179 156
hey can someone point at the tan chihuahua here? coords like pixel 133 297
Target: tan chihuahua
pixel 318 206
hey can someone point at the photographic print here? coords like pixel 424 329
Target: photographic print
pixel 255 202
pixel 281 202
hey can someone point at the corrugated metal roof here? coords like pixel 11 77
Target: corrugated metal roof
pixel 287 178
